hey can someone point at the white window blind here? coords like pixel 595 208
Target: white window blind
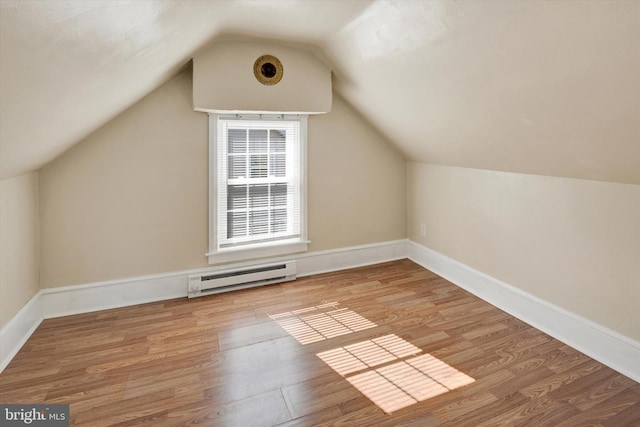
pixel 259 181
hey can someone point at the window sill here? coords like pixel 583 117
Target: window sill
pixel 243 254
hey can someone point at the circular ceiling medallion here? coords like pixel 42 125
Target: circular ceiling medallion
pixel 268 70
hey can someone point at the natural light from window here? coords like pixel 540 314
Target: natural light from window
pixel 321 322
pixel 390 371
pixel 405 382
pixel 257 188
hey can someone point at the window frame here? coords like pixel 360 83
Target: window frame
pixel 216 254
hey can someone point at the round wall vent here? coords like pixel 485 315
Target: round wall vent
pixel 268 70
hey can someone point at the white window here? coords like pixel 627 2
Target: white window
pixel 257 186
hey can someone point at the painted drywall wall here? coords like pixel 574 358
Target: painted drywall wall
pixel 356 182
pixel 18 243
pixel 574 243
pixel 535 87
pixel 131 199
pixel 223 79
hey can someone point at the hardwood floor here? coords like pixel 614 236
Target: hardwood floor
pixel 314 352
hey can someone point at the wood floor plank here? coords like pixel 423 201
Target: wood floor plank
pixel 468 404
pixel 533 411
pixel 317 394
pixel 264 410
pixel 599 414
pixel 327 415
pixel 628 417
pixel 554 382
pixel 247 335
pixel 483 414
pixel 226 360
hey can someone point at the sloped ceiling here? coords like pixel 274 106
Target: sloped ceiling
pixel 549 88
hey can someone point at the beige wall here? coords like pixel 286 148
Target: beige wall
pixel 356 182
pixel 131 199
pixel 223 79
pixel 574 243
pixel 18 243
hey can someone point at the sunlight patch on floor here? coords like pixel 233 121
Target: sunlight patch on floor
pixel 367 354
pixel 395 385
pixel 318 323
pixel 406 382
pixel 388 370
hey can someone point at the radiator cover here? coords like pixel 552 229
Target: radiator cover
pixel 217 281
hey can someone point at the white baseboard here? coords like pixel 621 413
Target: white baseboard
pixel 350 257
pixel 63 301
pixel 18 330
pixel 596 341
pixel 69 300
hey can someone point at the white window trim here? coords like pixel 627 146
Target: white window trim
pixel 258 250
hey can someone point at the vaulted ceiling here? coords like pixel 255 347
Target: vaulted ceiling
pixel 540 87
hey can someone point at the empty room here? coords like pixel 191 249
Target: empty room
pixel 320 212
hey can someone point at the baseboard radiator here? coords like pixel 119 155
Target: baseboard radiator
pixel 218 281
